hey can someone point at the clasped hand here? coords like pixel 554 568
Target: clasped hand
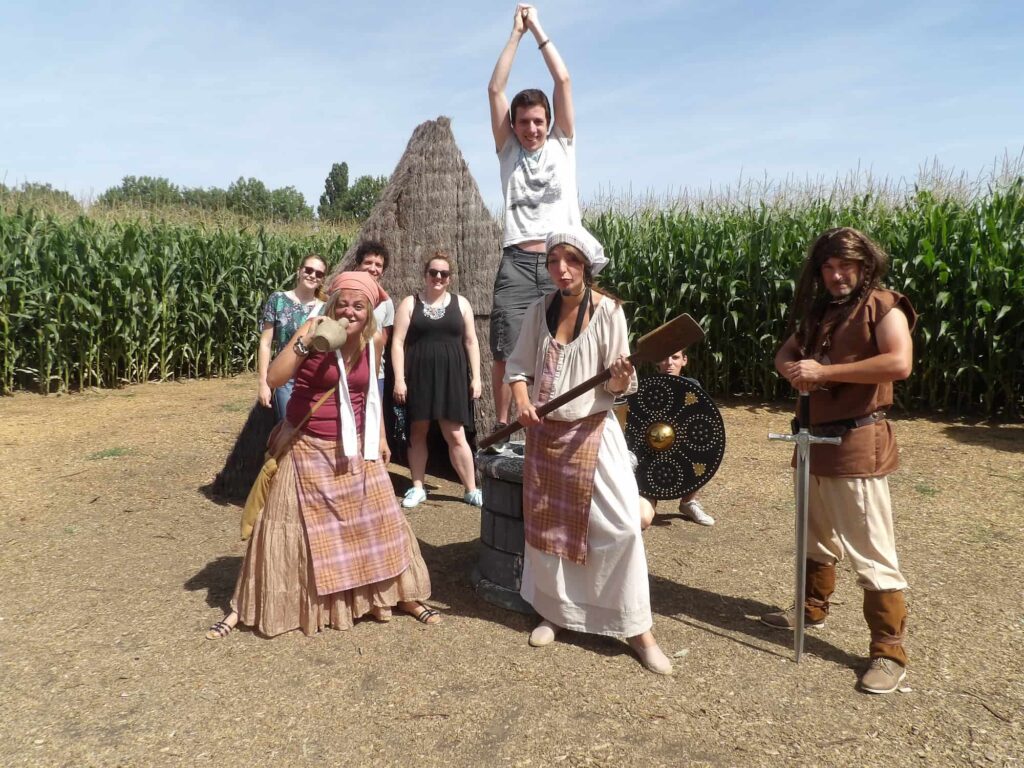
pixel 805 375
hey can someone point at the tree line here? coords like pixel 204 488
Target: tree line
pixel 247 197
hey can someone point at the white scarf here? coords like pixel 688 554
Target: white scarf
pixel 347 418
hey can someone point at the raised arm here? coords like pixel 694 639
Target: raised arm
pixel 286 364
pixel 565 116
pixel 500 125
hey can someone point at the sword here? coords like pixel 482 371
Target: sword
pixel 804 440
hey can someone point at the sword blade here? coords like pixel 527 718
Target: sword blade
pixel 803 482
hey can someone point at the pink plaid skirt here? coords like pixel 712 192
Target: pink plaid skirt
pixel 356 531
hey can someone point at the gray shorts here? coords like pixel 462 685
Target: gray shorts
pixel 522 279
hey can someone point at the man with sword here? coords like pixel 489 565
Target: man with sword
pixel 846 347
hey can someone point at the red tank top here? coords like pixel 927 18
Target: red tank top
pixel 317 374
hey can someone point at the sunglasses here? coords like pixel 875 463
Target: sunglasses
pixel 317 273
pixel 442 273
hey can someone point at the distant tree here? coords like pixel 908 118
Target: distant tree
pixel 210 199
pixel 145 191
pixel 34 194
pixel 250 197
pixel 363 195
pixel 288 204
pixel 335 192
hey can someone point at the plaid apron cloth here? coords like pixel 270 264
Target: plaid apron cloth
pixel 558 475
pixel 354 526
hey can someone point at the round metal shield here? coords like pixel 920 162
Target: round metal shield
pixel 677 434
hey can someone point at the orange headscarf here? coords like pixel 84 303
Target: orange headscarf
pixel 359 281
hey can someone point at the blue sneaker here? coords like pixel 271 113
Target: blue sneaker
pixel 413 497
pixel 474 498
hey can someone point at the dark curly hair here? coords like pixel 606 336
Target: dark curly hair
pixel 812 298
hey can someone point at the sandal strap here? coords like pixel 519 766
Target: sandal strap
pixel 426 614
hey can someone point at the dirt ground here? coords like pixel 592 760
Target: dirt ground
pixel 114 562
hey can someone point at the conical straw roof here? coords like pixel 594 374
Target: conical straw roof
pixel 433 203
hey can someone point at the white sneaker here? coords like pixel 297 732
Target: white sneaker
pixel 413 497
pixel 694 511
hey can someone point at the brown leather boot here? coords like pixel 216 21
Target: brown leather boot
pixel 886 614
pixel 820 584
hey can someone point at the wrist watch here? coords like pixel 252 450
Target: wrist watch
pixel 300 347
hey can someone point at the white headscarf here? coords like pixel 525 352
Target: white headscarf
pixel 576 236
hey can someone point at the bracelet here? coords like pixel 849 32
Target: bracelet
pixel 548 40
pixel 300 348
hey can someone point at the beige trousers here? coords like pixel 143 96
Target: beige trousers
pixel 852 517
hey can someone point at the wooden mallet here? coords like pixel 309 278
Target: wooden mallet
pixel 673 336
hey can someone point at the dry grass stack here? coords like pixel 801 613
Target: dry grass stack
pixel 432 203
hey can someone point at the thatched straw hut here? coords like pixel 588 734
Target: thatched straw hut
pixel 433 203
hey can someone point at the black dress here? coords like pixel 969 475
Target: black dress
pixel 436 371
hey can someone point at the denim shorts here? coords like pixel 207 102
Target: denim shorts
pixel 522 279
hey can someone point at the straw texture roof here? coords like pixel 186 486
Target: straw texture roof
pixel 432 203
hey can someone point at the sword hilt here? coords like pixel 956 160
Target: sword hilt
pixel 803 408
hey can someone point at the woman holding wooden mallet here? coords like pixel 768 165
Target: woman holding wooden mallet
pixel 584 566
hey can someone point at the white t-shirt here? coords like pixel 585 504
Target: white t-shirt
pixel 385 316
pixel 540 188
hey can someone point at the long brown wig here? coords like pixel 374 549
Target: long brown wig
pixel 812 299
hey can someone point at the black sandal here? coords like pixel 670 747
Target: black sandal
pixel 219 631
pixel 425 616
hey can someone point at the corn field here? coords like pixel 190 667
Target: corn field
pixel 88 303
pixel 94 302
pixel 733 267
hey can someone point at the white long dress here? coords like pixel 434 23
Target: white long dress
pixel 610 594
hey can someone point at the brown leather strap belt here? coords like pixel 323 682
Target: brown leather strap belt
pixel 842 426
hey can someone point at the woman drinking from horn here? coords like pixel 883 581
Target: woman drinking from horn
pixel 584 566
pixel 331 544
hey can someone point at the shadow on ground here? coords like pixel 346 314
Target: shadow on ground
pixel 218 579
pixel 990 436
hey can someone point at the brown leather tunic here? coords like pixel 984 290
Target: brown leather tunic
pixel 868 451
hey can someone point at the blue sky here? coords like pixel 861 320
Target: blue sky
pixel 669 95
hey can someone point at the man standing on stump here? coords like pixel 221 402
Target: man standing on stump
pixel 850 340
pixel 538 180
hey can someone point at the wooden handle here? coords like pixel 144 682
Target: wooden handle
pixel 674 335
pixel 548 407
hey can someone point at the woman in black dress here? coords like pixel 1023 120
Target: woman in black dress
pixel 436 361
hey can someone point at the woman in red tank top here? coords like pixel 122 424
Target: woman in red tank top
pixel 331 544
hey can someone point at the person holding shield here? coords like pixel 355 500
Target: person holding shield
pixel 537 159
pixel 584 566
pixel 689 507
pixel 849 341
